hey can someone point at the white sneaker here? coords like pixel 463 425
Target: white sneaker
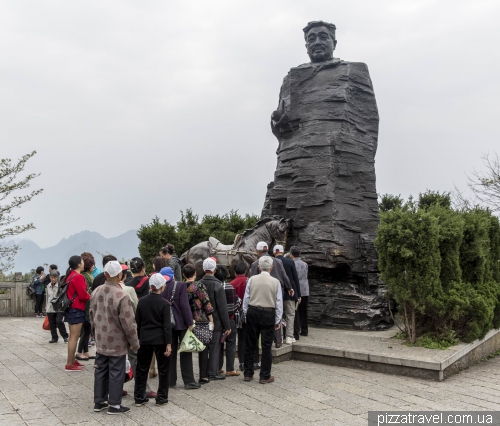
pixel 293 340
pixel 288 341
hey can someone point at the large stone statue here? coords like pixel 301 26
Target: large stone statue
pixel 327 128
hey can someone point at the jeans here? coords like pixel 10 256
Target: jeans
pixel 186 359
pixel 132 357
pixel 109 376
pixel 144 357
pixel 38 303
pixel 259 321
pixel 213 354
pixel 242 332
pixel 289 308
pixel 56 323
pixel 83 343
pixel 230 349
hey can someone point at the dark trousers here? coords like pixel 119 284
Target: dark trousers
pixel 56 323
pixel 302 314
pixel 242 332
pixel 213 354
pixel 230 349
pixel 83 343
pixel 186 359
pixel 144 357
pixel 203 363
pixel 38 303
pixel 132 357
pixel 109 376
pixel 259 321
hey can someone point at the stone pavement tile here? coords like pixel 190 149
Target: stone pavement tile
pixel 191 422
pixel 11 420
pixel 108 420
pixel 6 407
pixel 146 417
pixel 45 421
pixel 91 423
pixel 306 402
pixel 73 414
pixel 173 414
pixel 250 417
pixel 479 402
pixel 348 407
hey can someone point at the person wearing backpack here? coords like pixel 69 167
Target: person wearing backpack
pixel 75 317
pixel 175 293
pixel 39 290
pixel 140 282
pixel 55 318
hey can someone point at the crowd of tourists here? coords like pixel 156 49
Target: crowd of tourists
pixel 138 322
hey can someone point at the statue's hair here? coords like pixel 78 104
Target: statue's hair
pixel 331 27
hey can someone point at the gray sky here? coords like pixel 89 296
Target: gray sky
pixel 140 109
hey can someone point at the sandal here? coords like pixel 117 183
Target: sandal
pixel 80 358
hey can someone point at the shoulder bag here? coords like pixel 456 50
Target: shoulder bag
pixel 171 303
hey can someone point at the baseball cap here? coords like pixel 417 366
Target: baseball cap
pixel 262 246
pixel 278 247
pixel 167 273
pixel 157 281
pixel 124 267
pixel 209 264
pixel 113 268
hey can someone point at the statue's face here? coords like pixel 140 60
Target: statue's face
pixel 320 44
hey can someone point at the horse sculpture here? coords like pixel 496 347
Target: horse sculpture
pixel 270 229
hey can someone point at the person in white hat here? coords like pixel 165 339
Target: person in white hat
pixel 289 302
pixel 217 296
pixel 155 335
pixel 112 321
pixel 277 272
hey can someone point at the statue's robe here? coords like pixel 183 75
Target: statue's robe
pixel 325 183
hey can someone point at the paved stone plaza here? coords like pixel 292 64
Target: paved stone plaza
pixel 35 390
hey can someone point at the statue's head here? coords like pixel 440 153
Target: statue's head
pixel 320 40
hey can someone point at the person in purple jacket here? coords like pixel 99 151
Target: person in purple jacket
pixel 175 293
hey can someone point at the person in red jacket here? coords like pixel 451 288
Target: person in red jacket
pixel 75 317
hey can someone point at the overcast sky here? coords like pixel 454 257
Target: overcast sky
pixel 145 108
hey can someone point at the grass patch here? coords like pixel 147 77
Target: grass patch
pixel 430 341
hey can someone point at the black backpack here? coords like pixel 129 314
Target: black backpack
pixel 61 302
pixel 30 290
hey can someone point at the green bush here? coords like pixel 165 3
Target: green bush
pixel 189 231
pixel 442 267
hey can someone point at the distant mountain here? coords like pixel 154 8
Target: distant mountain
pixel 30 255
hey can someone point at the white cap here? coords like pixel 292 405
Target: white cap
pixel 262 246
pixel 157 281
pixel 113 268
pixel 278 247
pixel 209 264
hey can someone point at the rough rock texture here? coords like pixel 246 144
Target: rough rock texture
pixel 327 128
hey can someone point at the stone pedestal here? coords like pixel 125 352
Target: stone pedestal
pixel 325 183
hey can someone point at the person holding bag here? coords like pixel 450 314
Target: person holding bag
pixel 176 294
pixel 201 309
pixel 155 336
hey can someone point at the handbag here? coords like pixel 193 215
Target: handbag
pixel 171 303
pixel 61 302
pixel 190 343
pixel 46 324
pixel 203 332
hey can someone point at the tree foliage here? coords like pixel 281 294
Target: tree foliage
pixel 442 266
pixel 10 184
pixel 189 231
pixel 486 185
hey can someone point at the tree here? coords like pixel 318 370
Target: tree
pixel 10 184
pixel 486 185
pixel 189 231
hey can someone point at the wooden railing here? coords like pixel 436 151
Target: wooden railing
pixel 14 301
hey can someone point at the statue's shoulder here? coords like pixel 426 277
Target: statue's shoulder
pixel 336 62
